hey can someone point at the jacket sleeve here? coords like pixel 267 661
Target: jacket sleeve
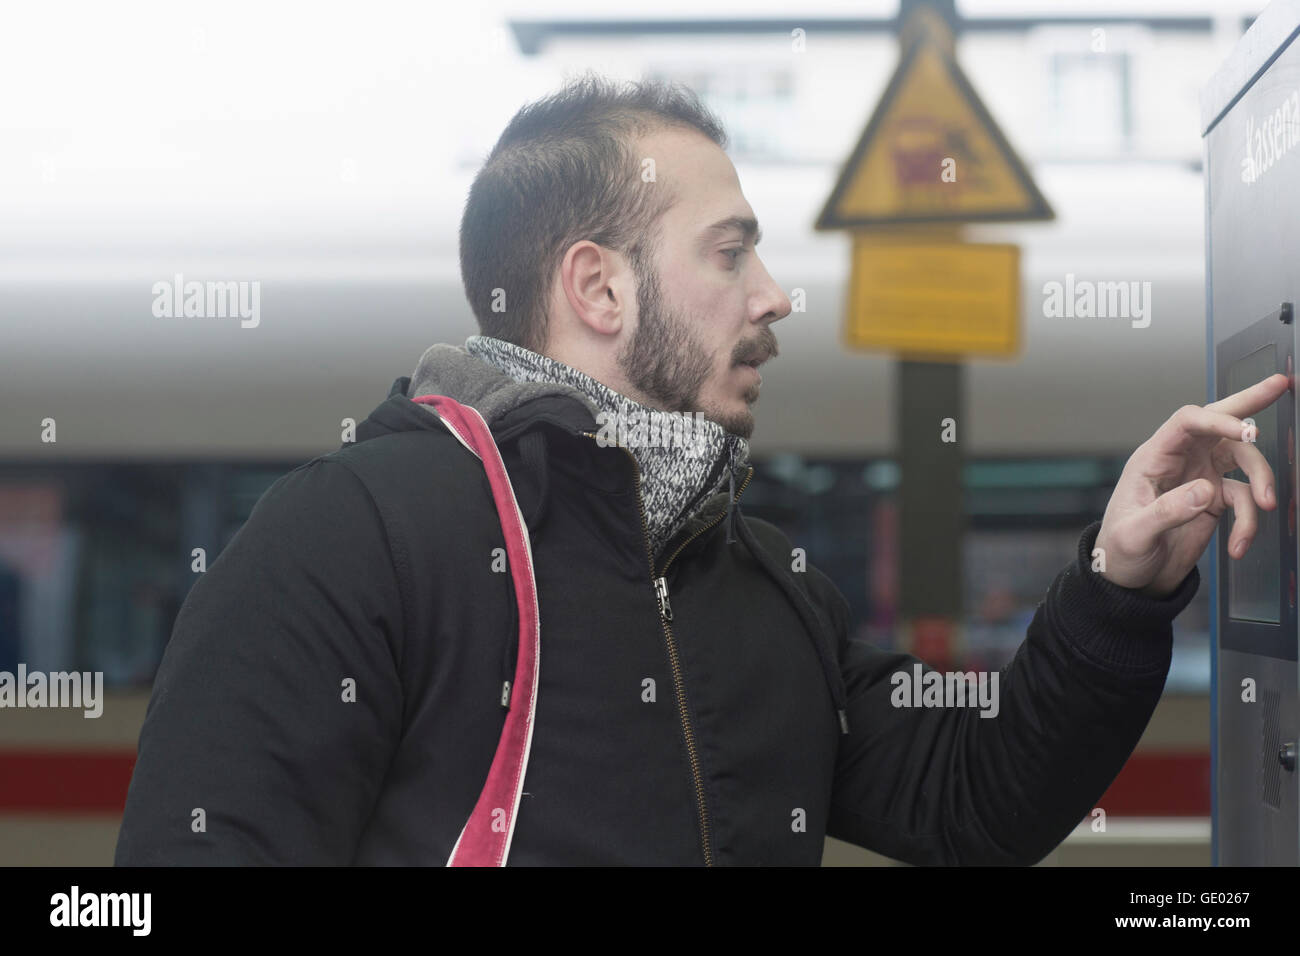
pixel 254 750
pixel 946 786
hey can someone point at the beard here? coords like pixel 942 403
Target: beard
pixel 670 366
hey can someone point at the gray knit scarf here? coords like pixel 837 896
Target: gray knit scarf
pixel 674 484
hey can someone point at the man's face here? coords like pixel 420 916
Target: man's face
pixel 705 304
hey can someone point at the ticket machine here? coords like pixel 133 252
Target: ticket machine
pixel 1251 128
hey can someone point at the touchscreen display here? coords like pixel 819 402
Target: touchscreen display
pixel 1255 579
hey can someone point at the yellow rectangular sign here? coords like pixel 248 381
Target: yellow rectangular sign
pixel 936 298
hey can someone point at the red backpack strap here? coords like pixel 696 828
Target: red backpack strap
pixel 485 838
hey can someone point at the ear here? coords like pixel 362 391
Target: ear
pixel 599 287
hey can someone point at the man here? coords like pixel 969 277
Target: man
pixel 338 682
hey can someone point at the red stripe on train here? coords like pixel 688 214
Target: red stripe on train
pixel 1152 784
pixel 1161 784
pixel 65 781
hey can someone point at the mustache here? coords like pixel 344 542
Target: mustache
pixel 763 346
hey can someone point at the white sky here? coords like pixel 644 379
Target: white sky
pixel 249 105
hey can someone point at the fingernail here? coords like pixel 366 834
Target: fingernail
pixel 1196 496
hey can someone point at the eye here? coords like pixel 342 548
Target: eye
pixel 734 254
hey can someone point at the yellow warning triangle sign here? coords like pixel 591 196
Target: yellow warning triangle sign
pixel 931 153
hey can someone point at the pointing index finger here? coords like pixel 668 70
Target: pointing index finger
pixel 1255 398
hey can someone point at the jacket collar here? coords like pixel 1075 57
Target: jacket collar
pixel 514 389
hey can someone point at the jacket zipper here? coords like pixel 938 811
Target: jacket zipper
pixel 660 585
pixel 672 557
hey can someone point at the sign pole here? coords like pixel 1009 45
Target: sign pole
pixel 931 509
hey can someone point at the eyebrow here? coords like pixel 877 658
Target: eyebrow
pixel 746 225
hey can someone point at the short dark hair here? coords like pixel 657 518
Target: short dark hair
pixel 564 170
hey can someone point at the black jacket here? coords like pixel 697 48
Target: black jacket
pixel 374 564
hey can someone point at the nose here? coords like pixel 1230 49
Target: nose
pixel 771 304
